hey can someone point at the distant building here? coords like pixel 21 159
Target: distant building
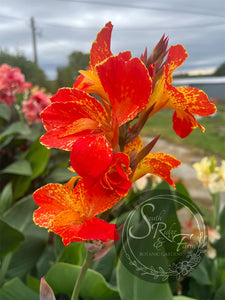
pixel 213 86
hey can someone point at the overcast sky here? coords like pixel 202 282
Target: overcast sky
pixel 64 26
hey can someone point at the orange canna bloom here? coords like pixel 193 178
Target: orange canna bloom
pixel 186 101
pixel 70 211
pixel 159 163
pixel 92 157
pixel 74 113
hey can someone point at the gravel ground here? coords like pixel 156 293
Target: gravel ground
pixel 188 156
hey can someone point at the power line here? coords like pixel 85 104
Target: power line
pixel 148 7
pixel 133 29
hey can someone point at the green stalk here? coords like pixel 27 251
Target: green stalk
pixel 216 208
pixel 80 278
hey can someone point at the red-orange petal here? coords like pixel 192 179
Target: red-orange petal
pixel 184 122
pixel 70 105
pixel 159 163
pixel 91 155
pixel 92 229
pixel 116 178
pixel 176 57
pixel 69 211
pixel 65 121
pixel 197 101
pixel 127 84
pixel 101 46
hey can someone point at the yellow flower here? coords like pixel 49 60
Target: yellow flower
pixel 211 176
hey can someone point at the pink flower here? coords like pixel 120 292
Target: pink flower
pixel 12 82
pixel 34 106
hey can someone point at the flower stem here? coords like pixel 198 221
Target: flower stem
pixel 80 277
pixel 216 208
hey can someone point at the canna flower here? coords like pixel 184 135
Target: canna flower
pixel 212 176
pixel 92 157
pixel 159 163
pixel 70 210
pixel 186 101
pixel 74 113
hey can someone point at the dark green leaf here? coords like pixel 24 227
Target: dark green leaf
pixel 5 111
pixel 201 275
pixel 73 254
pixel 16 290
pixel 61 277
pixel 20 185
pixel 38 157
pixel 132 287
pixel 220 246
pixel 59 175
pixel 220 293
pixel 30 251
pixel 10 238
pixel 15 128
pixel 33 283
pixel 20 167
pixel 6 198
pixel 21 216
pixel 182 298
pixel 106 264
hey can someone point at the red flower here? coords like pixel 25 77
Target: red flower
pixel 92 157
pixel 74 113
pixel 159 163
pixel 70 211
pixel 186 101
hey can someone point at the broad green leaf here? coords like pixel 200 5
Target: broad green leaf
pixel 45 261
pixel 181 189
pixel 15 128
pixel 59 175
pixel 26 257
pixel 106 264
pixel 219 245
pixel 5 111
pixel 132 287
pixel 61 277
pixel 199 291
pixel 73 254
pixel 201 275
pixel 220 293
pixel 182 298
pixel 38 156
pixel 20 167
pixel 10 238
pixel 20 185
pixel 33 283
pixel 21 216
pixel 6 198
pixel 17 290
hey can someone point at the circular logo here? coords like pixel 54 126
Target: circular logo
pixel 163 237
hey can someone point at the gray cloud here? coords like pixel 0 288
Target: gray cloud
pixel 68 25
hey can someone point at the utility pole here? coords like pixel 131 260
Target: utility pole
pixel 34 39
